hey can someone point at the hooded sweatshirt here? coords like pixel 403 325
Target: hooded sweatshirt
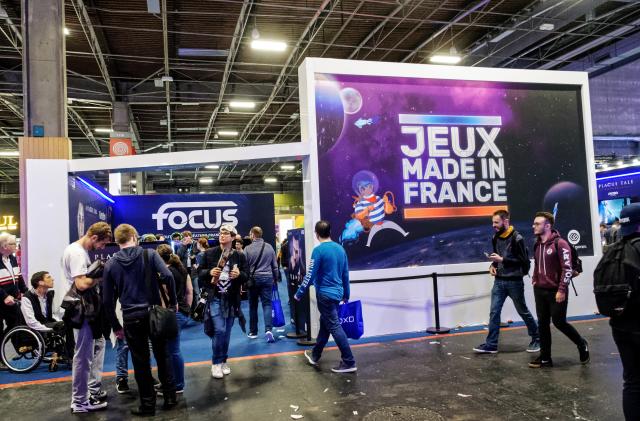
pixel 552 269
pixel 124 280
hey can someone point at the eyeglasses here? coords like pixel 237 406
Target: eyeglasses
pixel 225 233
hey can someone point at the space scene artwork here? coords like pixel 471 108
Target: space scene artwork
pixel 412 169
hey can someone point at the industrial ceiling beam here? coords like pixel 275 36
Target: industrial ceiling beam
pixel 238 32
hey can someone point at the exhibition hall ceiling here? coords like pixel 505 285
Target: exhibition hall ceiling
pixel 203 49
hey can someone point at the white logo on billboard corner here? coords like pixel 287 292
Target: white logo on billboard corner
pixel 178 219
pixel 573 237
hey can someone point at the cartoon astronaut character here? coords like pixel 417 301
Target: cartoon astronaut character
pixel 371 209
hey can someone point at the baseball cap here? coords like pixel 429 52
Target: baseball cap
pixel 230 228
pixel 629 219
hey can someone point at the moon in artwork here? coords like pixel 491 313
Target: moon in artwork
pixel 351 100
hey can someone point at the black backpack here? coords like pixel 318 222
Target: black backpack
pixel 576 262
pixel 526 264
pixel 615 280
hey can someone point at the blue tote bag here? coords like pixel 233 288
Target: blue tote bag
pixel 350 315
pixel 277 315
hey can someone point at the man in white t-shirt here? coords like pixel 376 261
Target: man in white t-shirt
pixel 88 358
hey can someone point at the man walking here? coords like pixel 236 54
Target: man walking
pixel 125 279
pixel 510 264
pixel 551 277
pixel 223 272
pixel 263 268
pixel 88 357
pixel 626 326
pixel 329 272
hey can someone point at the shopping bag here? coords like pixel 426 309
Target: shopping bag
pixel 277 315
pixel 350 315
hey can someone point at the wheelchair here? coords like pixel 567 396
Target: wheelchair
pixel 23 349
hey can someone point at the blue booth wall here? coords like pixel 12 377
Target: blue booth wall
pixel 88 204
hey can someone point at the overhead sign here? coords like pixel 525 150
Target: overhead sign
pixel 411 169
pixel 202 214
pixel 121 147
pixel 621 183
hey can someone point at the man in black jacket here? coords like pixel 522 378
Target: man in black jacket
pixel 626 327
pixel 124 279
pixel 12 285
pixel 222 273
pixel 510 263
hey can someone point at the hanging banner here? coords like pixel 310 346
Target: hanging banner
pixel 412 169
pixel 202 214
pixel 297 256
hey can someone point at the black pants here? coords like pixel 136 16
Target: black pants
pixel 549 310
pixel 9 315
pixel 629 349
pixel 137 334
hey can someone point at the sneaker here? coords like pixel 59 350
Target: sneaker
pixel 344 368
pixel 178 392
pixel 252 335
pixel 540 363
pixel 226 370
pixel 309 356
pixel 100 396
pixel 534 346
pixel 216 371
pixel 122 385
pixel 486 349
pixel 269 337
pixel 584 352
pixel 95 404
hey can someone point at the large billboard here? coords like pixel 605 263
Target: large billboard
pixel 411 169
pixel 202 214
pixel 88 204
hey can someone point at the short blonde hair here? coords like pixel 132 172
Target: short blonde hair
pixel 124 233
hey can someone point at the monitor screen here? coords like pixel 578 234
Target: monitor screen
pixel 609 210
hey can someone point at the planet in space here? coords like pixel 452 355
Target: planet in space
pixel 329 115
pixel 351 100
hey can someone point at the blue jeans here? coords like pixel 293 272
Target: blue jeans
pixel 177 362
pixel 515 290
pixel 262 290
pixel 122 359
pixel 330 325
pixel 222 333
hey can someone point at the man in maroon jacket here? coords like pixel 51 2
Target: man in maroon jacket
pixel 551 277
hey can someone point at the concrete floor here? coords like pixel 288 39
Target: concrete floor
pixel 418 379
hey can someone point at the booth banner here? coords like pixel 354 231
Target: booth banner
pixel 112 248
pixel 86 207
pixel 297 257
pixel 412 169
pixel 619 184
pixel 202 214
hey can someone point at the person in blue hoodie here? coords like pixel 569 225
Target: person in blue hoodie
pixel 124 280
pixel 329 272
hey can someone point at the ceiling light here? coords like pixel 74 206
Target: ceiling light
pixel 294 116
pixel 212 167
pixel 157 83
pixel 189 104
pixel 163 122
pixel 133 181
pixel 605 165
pixel 153 6
pixel 620 163
pixel 636 161
pixel 547 27
pixel 166 78
pixel 502 36
pixel 206 180
pixel 202 52
pixel 270 180
pixel 246 105
pixel 266 45
pixel 255 34
pixel 228 132
pixel 102 130
pixel 9 153
pixel 445 59
pixel 288 167
pixel 66 31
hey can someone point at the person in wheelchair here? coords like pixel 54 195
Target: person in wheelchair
pixel 37 311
